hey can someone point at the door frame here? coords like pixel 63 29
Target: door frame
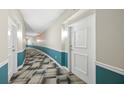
pixel 14 54
pixel 78 15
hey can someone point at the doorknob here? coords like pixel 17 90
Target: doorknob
pixel 13 50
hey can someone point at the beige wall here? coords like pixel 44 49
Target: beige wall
pixel 3 34
pixel 17 18
pixel 53 36
pixel 110 37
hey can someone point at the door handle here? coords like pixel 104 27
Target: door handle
pixel 13 50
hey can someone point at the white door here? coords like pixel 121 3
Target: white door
pixel 83 48
pixel 12 55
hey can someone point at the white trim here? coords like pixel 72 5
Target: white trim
pixel 22 64
pixel 18 51
pixel 80 13
pixel 49 57
pixel 111 68
pixel 49 48
pixel 66 68
pixel 93 34
pixel 4 62
pixel 69 50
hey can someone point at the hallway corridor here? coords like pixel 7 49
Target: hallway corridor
pixel 72 46
pixel 40 69
pixel 62 46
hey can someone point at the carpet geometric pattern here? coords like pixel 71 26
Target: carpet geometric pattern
pixel 40 69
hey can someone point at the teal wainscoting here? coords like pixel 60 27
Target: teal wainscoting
pixel 105 76
pixel 60 57
pixel 4 74
pixel 21 57
pixel 64 59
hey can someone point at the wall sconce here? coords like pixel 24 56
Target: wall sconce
pixel 9 34
pixel 19 35
pixel 39 41
pixel 64 34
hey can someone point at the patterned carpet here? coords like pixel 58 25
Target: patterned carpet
pixel 40 69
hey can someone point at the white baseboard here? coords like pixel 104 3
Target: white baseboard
pixel 111 68
pixel 21 50
pixel 20 67
pixel 66 68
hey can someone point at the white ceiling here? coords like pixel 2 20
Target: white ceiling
pixel 38 20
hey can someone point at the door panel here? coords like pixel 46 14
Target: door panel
pixel 80 38
pixel 12 55
pixel 80 63
pixel 81 47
